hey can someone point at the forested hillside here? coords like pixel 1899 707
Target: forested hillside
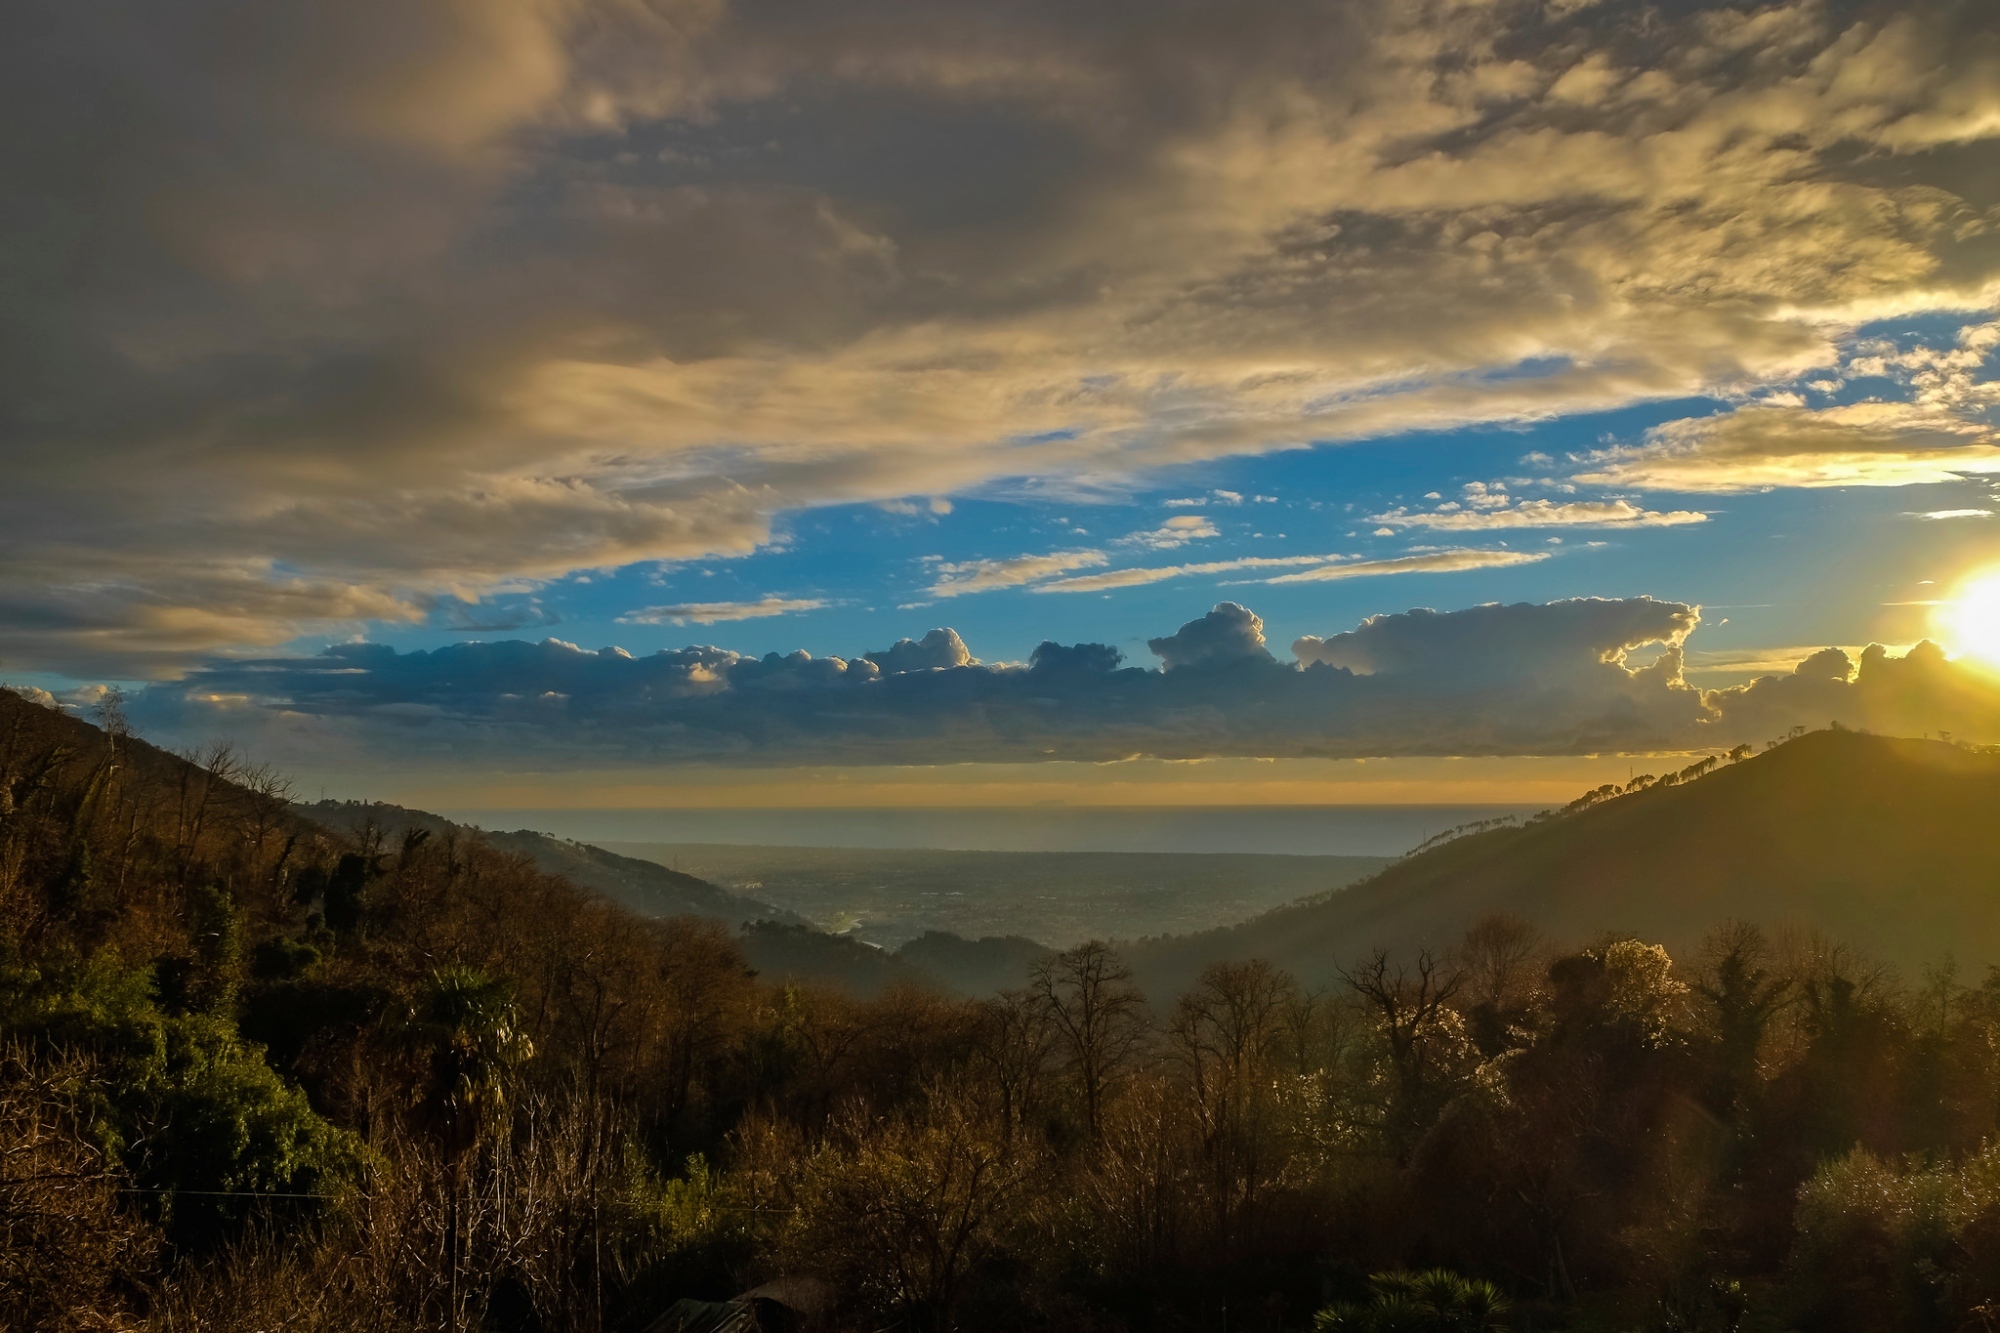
pixel 1862 838
pixel 646 887
pixel 779 945
pixel 260 1074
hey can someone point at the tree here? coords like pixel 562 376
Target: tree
pixel 1017 1042
pixel 1421 1032
pixel 465 1027
pixel 1098 1016
pixel 1498 957
pixel 217 930
pixel 900 1210
pixel 1224 1035
pixel 1742 994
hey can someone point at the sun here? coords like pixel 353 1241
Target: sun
pixel 1970 621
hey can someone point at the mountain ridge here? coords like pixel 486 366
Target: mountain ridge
pixel 644 886
pixel 1865 838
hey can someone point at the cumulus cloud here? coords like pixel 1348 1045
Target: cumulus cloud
pixel 1533 644
pixel 1564 677
pixel 34 694
pixel 360 305
pixel 939 650
pixel 709 613
pixel 1227 636
pixel 1493 680
pixel 1921 692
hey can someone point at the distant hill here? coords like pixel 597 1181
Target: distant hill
pixel 892 896
pixel 644 886
pixel 1892 846
pixel 780 945
pixel 985 966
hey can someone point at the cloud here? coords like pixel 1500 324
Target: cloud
pixel 939 650
pixel 1080 659
pixel 33 694
pixel 955 580
pixel 1133 578
pixel 1941 433
pixel 937 505
pixel 1228 636
pixel 1324 567
pixel 1760 448
pixel 1566 677
pixel 1936 515
pixel 1542 514
pixel 485 619
pixel 1492 680
pixel 365 305
pixel 1538 645
pixel 1922 692
pixel 710 613
pixel 1176 532
pixel 1434 562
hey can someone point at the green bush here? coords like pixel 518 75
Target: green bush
pixel 1433 1301
pixel 192 1112
pixel 1882 1247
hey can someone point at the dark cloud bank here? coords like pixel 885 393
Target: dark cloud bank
pixel 1558 678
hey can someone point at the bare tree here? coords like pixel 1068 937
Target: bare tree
pixel 1017 1044
pixel 1225 1033
pixel 1099 1019
pixel 1498 957
pixel 902 1208
pixel 1414 1015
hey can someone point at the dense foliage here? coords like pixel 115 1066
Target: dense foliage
pixel 257 1075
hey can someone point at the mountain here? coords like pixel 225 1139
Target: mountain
pixel 646 887
pixel 779 945
pixel 1888 845
pixel 891 896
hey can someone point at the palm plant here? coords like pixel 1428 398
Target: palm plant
pixel 1434 1301
pixel 465 1023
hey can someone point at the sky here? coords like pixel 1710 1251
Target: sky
pixel 487 404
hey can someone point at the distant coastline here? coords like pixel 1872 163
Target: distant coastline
pixel 1338 830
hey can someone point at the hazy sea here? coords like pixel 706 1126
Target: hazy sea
pixel 1346 830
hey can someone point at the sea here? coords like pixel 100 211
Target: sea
pixel 1293 830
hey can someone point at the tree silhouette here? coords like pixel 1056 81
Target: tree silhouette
pixel 1098 1015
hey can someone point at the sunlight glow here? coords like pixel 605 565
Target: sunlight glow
pixel 1970 621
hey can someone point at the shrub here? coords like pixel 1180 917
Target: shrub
pixel 1884 1248
pixel 1434 1301
pixel 205 1127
